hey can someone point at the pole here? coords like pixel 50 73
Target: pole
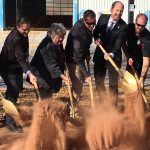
pixel 18 9
pixel 2 14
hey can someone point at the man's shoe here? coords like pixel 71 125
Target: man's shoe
pixel 14 128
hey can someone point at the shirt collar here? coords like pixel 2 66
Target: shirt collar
pixel 110 20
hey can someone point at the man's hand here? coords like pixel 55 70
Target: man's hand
pixel 32 78
pixel 141 82
pixel 88 79
pixel 107 55
pixel 98 41
pixel 65 79
pixel 130 61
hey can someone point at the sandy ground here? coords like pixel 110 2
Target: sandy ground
pixel 107 118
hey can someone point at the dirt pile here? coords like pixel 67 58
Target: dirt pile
pixel 47 130
pixel 104 127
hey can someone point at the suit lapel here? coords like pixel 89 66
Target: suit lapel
pixel 117 25
pixel 106 22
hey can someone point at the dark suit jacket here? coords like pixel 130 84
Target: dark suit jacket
pixel 78 44
pixel 15 53
pixel 111 43
pixel 49 61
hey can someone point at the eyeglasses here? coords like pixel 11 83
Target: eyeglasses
pixel 91 23
pixel 140 25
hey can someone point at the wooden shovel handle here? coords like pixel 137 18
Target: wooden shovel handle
pixel 141 91
pixel 91 88
pixel 35 85
pixel 91 93
pixel 70 93
pixel 109 58
pixel 37 91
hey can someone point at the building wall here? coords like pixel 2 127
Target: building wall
pixel 59 7
pixel 42 13
pixel 100 6
pixel 103 6
pixel 143 6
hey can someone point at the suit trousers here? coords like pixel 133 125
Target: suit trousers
pixel 14 83
pixel 77 79
pixel 99 74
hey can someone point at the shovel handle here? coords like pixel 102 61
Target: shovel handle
pixel 70 93
pixel 1 95
pixel 113 64
pixel 109 58
pixel 91 88
pixel 141 91
pixel 91 93
pixel 35 85
pixel 37 91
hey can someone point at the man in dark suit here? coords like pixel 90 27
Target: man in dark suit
pixel 14 62
pixel 110 31
pixel 77 51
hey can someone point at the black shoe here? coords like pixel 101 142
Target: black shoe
pixel 14 128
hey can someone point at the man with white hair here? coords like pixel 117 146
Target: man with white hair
pixel 48 62
pixel 110 32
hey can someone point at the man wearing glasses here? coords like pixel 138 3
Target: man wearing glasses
pixel 77 51
pixel 110 31
pixel 137 48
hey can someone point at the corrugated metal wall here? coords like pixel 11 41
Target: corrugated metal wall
pixel 103 6
pixel 100 6
pixel 142 6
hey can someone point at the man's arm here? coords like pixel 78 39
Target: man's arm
pixel 22 59
pixel 79 45
pixel 146 62
pixel 20 55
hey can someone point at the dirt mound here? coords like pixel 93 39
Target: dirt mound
pixel 47 130
pixel 104 127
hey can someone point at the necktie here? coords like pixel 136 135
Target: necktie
pixel 109 29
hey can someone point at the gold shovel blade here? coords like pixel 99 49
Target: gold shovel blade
pixel 9 107
pixel 128 83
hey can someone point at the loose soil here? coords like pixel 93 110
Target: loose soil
pixel 46 125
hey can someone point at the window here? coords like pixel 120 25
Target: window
pixel 59 7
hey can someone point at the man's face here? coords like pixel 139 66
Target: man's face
pixel 140 24
pixel 90 23
pixel 58 39
pixel 24 29
pixel 117 11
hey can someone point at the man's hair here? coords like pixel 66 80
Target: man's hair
pixel 23 21
pixel 114 3
pixel 141 14
pixel 56 29
pixel 89 13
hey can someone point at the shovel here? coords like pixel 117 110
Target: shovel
pixel 70 93
pixel 8 106
pixel 91 88
pixel 11 110
pixel 38 96
pixel 75 121
pixel 127 81
pixel 37 91
pixel 140 89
